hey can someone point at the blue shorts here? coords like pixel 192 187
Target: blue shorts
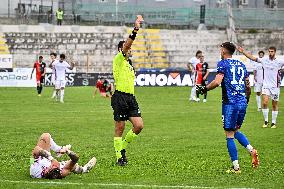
pixel 233 116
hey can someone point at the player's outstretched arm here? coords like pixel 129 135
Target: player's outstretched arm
pixel 249 56
pixel 216 82
pixel 32 72
pixel 248 89
pixel 132 36
pixel 71 66
pixel 50 65
pixel 190 66
pixel 44 72
pixel 206 75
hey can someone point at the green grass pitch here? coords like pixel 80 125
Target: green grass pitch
pixel 182 145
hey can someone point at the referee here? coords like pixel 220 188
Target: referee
pixel 123 101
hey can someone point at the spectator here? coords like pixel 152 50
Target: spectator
pixel 59 16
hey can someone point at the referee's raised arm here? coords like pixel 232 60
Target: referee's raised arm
pixel 132 36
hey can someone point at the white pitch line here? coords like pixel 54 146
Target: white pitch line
pixel 112 184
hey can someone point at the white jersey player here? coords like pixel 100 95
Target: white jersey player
pixel 51 65
pixel 60 68
pixel 271 84
pixel 43 165
pixel 258 79
pixel 191 67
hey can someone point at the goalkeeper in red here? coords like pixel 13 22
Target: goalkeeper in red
pixel 233 77
pixel 123 101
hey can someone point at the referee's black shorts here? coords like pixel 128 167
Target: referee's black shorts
pixel 124 105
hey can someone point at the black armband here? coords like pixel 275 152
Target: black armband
pixel 73 156
pixel 133 35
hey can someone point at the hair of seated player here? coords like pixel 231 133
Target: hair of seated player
pixel 53 174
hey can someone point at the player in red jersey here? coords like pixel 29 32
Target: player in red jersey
pixel 201 76
pixel 105 88
pixel 40 68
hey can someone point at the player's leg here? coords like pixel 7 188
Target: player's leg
pixel 205 94
pixel 205 97
pixel 229 115
pixel 257 90
pixel 54 93
pixel 119 116
pixel 265 110
pixel 62 87
pixel 197 95
pixel 137 123
pixel 57 88
pixel 275 99
pixel 193 89
pixel 62 94
pixel 117 141
pixel 103 94
pixel 242 139
pixel 78 169
pixel 38 85
pixel 44 141
pixel 258 101
pixel 38 88
pixel 70 165
pixel 41 84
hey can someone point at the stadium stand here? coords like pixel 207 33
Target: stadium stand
pixel 94 47
pixel 3 46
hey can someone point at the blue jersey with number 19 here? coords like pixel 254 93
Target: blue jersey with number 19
pixel 233 84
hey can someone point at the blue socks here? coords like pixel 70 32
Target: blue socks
pixel 242 139
pixel 232 149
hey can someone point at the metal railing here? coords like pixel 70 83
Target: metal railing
pixel 188 18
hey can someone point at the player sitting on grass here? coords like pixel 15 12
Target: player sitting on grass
pixel 105 88
pixel 43 165
pixel 233 77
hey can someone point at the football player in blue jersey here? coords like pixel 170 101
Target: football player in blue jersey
pixel 233 77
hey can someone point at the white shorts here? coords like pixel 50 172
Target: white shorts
pixel 60 84
pixel 257 87
pixel 273 93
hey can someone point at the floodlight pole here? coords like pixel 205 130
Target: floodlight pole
pixel 9 8
pixel 231 31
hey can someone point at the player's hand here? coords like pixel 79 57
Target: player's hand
pixel 138 21
pixel 240 49
pixel 201 89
